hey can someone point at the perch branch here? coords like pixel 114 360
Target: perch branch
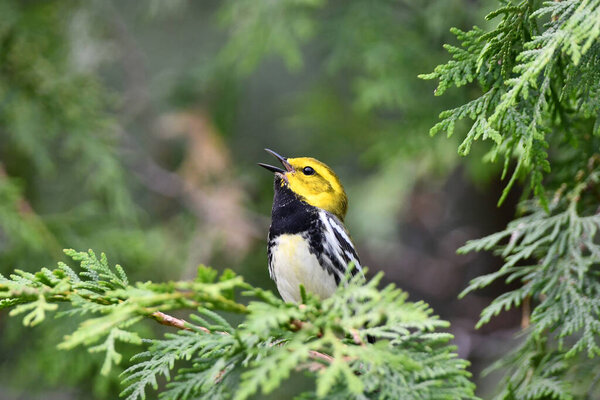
pixel 169 320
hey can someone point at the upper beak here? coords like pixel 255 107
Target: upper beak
pixel 283 160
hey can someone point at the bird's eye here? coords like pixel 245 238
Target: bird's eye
pixel 308 171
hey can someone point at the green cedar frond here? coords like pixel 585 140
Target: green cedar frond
pixel 212 358
pixel 112 305
pixel 516 65
pixel 539 75
pixel 464 67
pixel 564 281
pixel 277 339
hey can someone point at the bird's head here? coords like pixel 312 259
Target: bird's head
pixel 312 181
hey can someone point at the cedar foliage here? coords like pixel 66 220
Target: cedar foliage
pixel 212 358
pixel 539 108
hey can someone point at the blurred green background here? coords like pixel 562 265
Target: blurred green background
pixel 134 128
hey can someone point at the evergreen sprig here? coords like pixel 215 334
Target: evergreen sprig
pixel 526 68
pixel 555 256
pixel 104 296
pixel 360 343
pixel 538 72
pixel 329 339
pixel 564 280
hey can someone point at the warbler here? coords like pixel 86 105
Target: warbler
pixel 308 243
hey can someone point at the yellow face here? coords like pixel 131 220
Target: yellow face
pixel 316 184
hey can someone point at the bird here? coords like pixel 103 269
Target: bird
pixel 308 243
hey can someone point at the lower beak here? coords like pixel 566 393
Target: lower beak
pixel 283 160
pixel 271 168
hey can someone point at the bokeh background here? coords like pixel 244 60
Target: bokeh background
pixel 134 128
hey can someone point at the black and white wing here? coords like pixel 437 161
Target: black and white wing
pixel 270 247
pixel 337 252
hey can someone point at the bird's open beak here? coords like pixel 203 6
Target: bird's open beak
pixel 283 160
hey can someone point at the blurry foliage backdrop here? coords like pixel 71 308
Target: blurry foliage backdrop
pixel 134 128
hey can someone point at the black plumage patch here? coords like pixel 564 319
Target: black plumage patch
pixel 290 214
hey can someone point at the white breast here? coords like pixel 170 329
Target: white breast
pixel 293 264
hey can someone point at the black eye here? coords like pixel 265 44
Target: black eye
pixel 308 171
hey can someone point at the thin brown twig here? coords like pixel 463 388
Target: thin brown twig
pixel 321 356
pixel 169 320
pixel 356 337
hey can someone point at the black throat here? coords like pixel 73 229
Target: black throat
pixel 290 214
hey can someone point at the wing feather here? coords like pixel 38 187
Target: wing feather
pixel 338 248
